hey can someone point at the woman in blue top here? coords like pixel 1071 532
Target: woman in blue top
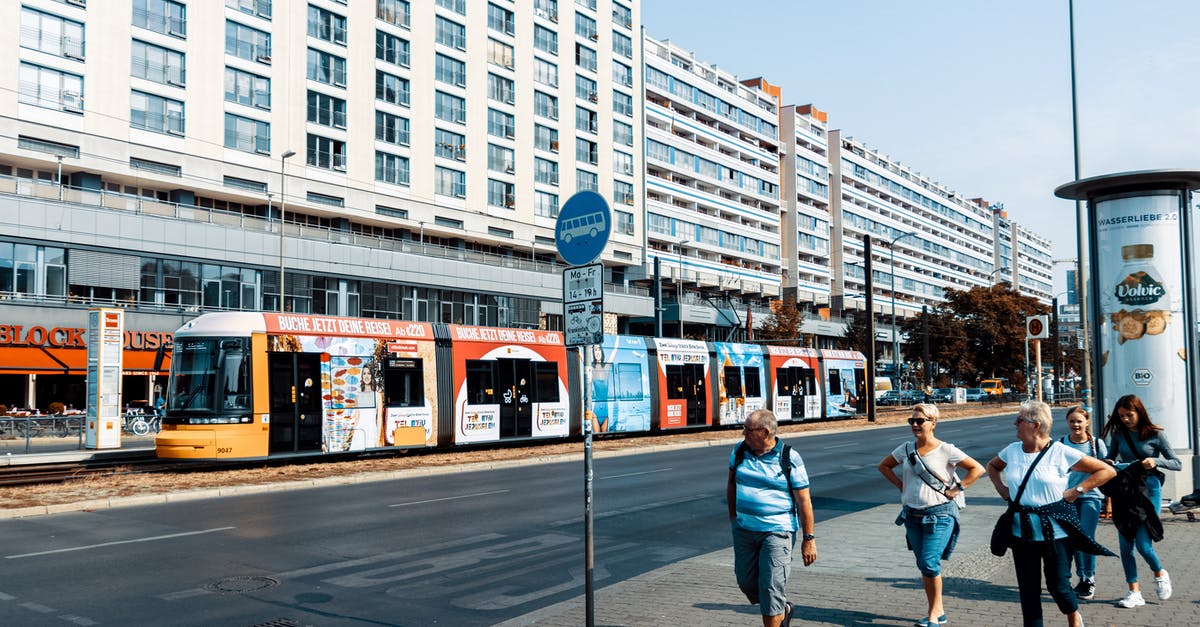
pixel 1088 503
pixel 1133 439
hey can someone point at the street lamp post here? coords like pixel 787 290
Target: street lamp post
pixel 679 285
pixel 895 331
pixel 282 213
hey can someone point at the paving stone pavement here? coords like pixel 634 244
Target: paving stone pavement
pixel 864 576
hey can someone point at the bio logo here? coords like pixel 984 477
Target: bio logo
pixel 1142 376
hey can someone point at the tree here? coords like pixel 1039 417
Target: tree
pixel 981 331
pixel 858 336
pixel 782 327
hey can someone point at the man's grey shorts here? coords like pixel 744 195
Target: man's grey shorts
pixel 762 562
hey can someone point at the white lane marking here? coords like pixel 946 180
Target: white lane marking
pixel 841 445
pixel 6 597
pixel 104 544
pixel 78 620
pixel 38 607
pixel 634 474
pixel 630 510
pixel 184 594
pixel 449 498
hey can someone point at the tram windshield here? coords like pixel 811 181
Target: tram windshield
pixel 210 381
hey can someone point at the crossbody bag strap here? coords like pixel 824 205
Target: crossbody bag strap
pixel 913 453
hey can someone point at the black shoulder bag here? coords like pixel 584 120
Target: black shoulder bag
pixel 934 480
pixel 1002 532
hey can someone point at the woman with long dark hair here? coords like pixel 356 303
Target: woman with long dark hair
pixel 1140 450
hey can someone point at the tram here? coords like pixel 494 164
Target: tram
pixel 247 385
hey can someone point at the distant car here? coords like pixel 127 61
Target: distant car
pixel 910 397
pixel 976 394
pixel 940 395
pixel 890 397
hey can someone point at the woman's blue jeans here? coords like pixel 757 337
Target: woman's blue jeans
pixel 928 536
pixel 1089 518
pixel 1141 542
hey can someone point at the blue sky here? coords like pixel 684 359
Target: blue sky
pixel 976 95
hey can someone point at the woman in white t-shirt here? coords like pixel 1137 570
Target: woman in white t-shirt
pixel 928 485
pixel 1039 538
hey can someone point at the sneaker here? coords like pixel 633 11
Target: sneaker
pixel 1086 589
pixel 925 622
pixel 1162 586
pixel 1133 599
pixel 787 615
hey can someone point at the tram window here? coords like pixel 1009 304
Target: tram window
pixel 733 381
pixel 404 383
pixel 835 382
pixel 547 381
pixel 629 382
pixel 675 382
pixel 753 383
pixel 783 381
pixel 235 373
pixel 481 382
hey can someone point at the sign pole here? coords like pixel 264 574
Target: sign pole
pixel 1037 360
pixel 588 529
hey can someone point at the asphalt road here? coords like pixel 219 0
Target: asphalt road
pixel 459 549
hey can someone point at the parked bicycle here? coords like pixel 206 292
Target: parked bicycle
pixel 140 424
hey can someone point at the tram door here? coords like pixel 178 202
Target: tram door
pixel 514 387
pixel 796 383
pixel 296 408
pixel 687 382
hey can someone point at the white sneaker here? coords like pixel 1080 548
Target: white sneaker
pixel 1133 599
pixel 1162 586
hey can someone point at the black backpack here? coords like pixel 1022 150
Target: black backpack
pixel 785 464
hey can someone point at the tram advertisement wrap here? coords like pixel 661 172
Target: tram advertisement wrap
pixel 741 385
pixel 682 374
pixel 794 375
pixel 1139 286
pixel 620 384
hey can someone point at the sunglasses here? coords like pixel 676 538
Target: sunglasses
pixel 918 421
pixel 753 429
pixel 1018 421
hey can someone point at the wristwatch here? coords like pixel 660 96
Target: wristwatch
pixel 1080 490
pixel 809 536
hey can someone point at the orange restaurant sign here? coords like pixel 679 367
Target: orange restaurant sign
pixel 69 337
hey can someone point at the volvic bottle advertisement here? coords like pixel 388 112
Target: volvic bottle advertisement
pixel 1140 287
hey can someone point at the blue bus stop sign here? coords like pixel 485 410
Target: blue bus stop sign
pixel 583 227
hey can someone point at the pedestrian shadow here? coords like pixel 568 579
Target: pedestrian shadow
pixel 740 608
pixel 810 614
pixel 965 588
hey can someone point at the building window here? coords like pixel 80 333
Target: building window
pixel 49 88
pixel 500 19
pixel 622 162
pixel 391 168
pixel 585 89
pixel 545 72
pixel 449 33
pixel 158 64
pixel 392 11
pixel 545 105
pixel 585 27
pixel 501 159
pixel 545 171
pixel 449 145
pixel 622 15
pixel 623 193
pixel 622 74
pixel 326 153
pixel 161 16
pixel 501 89
pixel 392 89
pixel 155 113
pixel 458 6
pixel 326 25
pixel 545 204
pixel 261 8
pixel 449 182
pixel 500 53
pixel 545 39
pixel 392 129
pixel 501 194
pixel 247 135
pixel 51 34
pixel 247 43
pixel 326 68
pixel 585 57
pixel 586 120
pixel 25 267
pixel 624 222
pixel 326 110
pixel 545 138
pixel 622 103
pixel 248 89
pixel 449 108
pixel 501 124
pixel 622 45
pixel 585 180
pixel 391 49
pixel 586 151
pixel 450 71
pixel 622 133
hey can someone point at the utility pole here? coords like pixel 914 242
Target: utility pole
pixel 870 329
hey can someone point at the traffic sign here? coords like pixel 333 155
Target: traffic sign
pixel 1036 328
pixel 583 304
pixel 584 224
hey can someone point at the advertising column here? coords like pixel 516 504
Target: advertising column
pixel 105 338
pixel 1140 261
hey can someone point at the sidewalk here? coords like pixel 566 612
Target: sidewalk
pixel 864 576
